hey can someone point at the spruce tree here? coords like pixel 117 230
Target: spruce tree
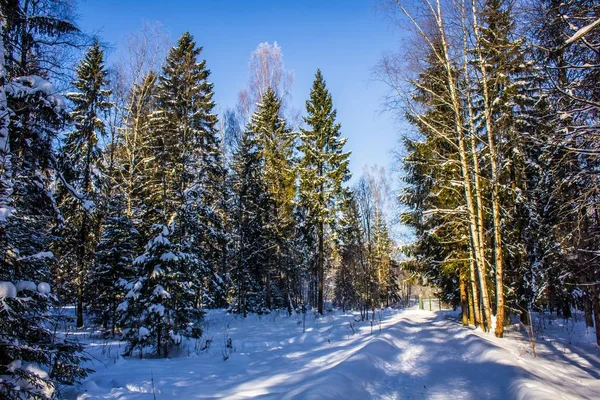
pixel 113 269
pixel 34 360
pixel 186 183
pixel 250 236
pixel 351 276
pixel 570 70
pixel 158 309
pixel 183 182
pixel 276 142
pixel 83 167
pixel 323 168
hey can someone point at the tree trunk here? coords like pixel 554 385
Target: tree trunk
pixel 80 271
pixel 498 262
pixel 587 309
pixel 476 315
pixel 524 315
pixel 113 319
pixel 463 300
pixel 268 289
pixel 320 272
pixel 477 188
pixel 596 312
pixel 495 181
pixel 476 243
pixel 471 307
pixel 80 298
pixel 158 338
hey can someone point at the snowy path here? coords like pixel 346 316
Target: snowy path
pixel 416 355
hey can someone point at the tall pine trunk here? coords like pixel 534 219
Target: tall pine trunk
pixel 463 299
pixel 596 312
pixel 320 269
pixel 476 318
pixel 83 236
pixel 587 308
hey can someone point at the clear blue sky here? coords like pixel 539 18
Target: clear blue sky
pixel 344 38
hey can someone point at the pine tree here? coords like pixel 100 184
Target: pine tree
pixel 6 184
pixel 83 166
pixel 134 155
pixel 323 169
pixel 33 360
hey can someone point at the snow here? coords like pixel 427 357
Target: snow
pixel 40 385
pixel 32 84
pixel 26 285
pixel 160 240
pixel 14 365
pixel 123 306
pixel 157 309
pixel 140 260
pixel 7 290
pixel 175 338
pixel 43 288
pixel 38 256
pixel 156 271
pixel 6 212
pixel 143 332
pixel 87 204
pixel 406 354
pixel 170 256
pixel 160 291
pixel 583 31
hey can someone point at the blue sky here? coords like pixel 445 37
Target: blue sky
pixel 345 38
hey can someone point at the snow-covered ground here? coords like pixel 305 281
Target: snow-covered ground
pixel 410 354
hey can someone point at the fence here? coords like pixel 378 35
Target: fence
pixel 430 303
